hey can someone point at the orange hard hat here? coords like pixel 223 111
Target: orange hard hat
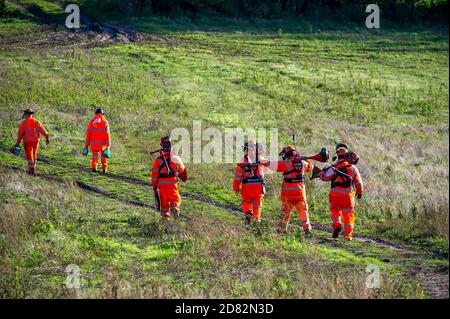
pixel 288 151
pixel 341 149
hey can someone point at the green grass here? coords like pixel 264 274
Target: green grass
pixel 383 93
pixel 114 240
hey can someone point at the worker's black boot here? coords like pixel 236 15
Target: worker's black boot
pixel 282 228
pixel 336 232
pixel 176 213
pixel 248 218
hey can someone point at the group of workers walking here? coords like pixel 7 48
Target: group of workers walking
pixel 249 182
pixel 343 176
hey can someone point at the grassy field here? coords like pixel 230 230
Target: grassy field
pixel 383 93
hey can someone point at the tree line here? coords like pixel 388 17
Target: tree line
pixel 353 10
pixel 338 10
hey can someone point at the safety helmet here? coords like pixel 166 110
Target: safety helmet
pixel 99 111
pixel 28 111
pixel 341 151
pixel 251 145
pixel 287 152
pixel 166 143
pixel 341 146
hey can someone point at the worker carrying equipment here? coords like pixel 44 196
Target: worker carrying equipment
pixel 343 175
pixel 99 140
pixel 30 131
pixel 166 170
pixel 15 150
pixel 250 173
pixel 293 194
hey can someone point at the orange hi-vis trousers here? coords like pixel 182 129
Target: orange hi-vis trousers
pixel 287 206
pixel 94 159
pixel 31 150
pixel 343 205
pixel 252 203
pixel 169 200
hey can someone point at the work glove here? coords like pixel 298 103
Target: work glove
pixel 47 140
pixel 359 196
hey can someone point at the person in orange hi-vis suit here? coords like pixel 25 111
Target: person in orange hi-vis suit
pixel 343 176
pixel 98 138
pixel 293 188
pixel 30 131
pixel 165 172
pixel 250 173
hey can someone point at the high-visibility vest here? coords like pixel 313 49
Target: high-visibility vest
pixel 30 130
pixel 252 174
pixel 251 177
pixel 97 133
pixel 294 171
pixel 346 175
pixel 165 171
pixel 342 177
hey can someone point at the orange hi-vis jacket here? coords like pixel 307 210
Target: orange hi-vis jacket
pixel 97 133
pixel 251 177
pixel 294 170
pixel 165 171
pixel 341 183
pixel 30 130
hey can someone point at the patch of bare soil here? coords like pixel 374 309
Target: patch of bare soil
pixel 55 35
pixel 436 284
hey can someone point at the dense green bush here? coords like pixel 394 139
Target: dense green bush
pixel 354 10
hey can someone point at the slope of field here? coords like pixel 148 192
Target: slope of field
pixel 385 94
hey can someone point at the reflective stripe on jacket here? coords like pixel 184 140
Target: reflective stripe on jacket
pixel 30 130
pixel 97 133
pixel 293 186
pixel 343 177
pixel 165 171
pixel 251 177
